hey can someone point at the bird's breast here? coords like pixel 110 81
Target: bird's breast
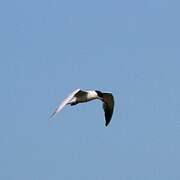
pixel 91 95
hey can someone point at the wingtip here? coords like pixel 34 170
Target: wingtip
pixel 106 124
pixel 52 115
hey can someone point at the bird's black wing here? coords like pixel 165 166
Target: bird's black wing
pixel 108 106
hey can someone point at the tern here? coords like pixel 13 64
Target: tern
pixel 80 96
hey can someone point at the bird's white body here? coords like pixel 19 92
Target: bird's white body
pixel 92 95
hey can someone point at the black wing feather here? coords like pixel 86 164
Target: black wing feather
pixel 108 106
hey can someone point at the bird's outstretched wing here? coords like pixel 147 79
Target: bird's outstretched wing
pixel 66 101
pixel 108 106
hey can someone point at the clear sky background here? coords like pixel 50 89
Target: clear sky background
pixel 51 47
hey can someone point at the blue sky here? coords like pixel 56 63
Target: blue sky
pixel 51 47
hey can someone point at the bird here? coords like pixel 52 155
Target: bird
pixel 81 96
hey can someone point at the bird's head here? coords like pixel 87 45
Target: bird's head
pixel 99 94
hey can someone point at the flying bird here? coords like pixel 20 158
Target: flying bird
pixel 80 96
